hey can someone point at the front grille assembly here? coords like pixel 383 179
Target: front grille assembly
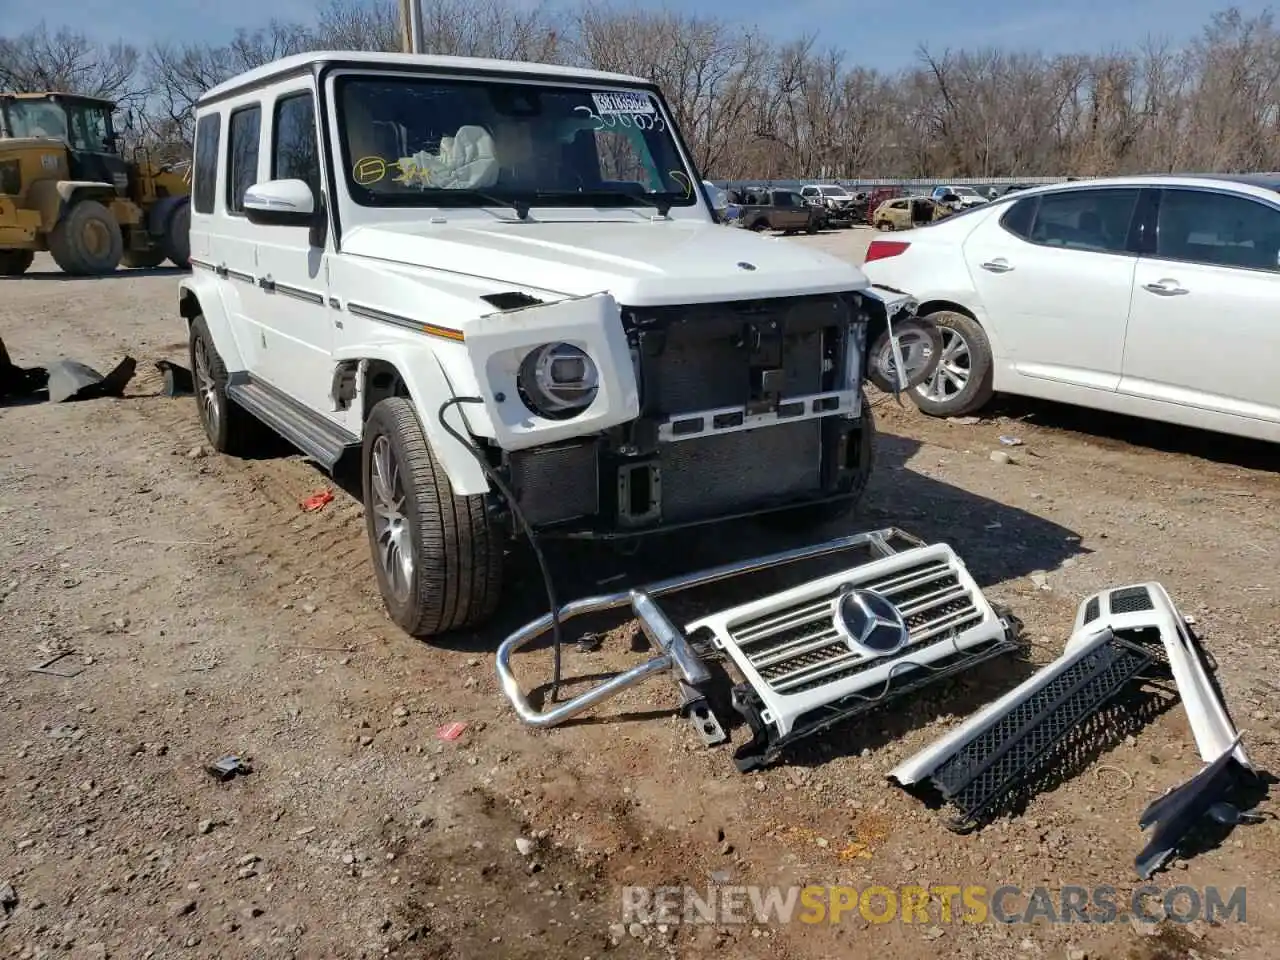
pixel 803 660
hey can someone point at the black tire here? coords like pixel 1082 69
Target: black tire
pixel 811 227
pixel 457 551
pixel 87 241
pixel 14 263
pixel 821 514
pixel 143 259
pixel 886 225
pixel 176 239
pixel 230 428
pixel 759 226
pixel 977 390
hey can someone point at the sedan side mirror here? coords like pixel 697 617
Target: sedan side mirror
pixel 280 203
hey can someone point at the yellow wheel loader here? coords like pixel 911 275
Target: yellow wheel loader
pixel 65 187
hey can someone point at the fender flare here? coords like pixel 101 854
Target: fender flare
pixel 53 197
pixel 198 295
pixel 428 386
pixel 158 216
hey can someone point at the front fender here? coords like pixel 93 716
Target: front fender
pixel 429 389
pixel 198 293
pixel 52 197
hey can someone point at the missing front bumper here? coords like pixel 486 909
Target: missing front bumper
pixel 808 657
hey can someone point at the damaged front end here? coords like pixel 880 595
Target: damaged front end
pixel 806 658
pixel 744 408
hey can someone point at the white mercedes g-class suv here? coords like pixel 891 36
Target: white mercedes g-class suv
pixel 500 288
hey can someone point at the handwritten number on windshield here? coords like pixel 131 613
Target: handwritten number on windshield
pixel 641 121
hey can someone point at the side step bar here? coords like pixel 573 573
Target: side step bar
pixel 319 438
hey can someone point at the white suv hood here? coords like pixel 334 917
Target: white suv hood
pixel 641 263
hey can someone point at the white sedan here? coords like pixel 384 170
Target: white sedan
pixel 1155 296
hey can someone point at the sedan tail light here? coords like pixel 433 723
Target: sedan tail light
pixel 883 249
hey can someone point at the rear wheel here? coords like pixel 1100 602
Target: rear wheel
pixel 761 225
pixel 962 382
pixel 438 556
pixel 14 263
pixel 87 241
pixel 885 225
pixel 230 428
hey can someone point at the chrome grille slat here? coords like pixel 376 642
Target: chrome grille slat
pixel 798 648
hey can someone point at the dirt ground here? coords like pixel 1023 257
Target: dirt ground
pixel 209 615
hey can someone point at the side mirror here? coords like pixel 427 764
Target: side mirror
pixel 280 203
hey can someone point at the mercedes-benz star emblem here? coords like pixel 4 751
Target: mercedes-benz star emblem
pixel 869 623
pixel 743 265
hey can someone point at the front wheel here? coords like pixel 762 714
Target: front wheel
pixel 87 241
pixel 230 428
pixel 438 556
pixel 176 240
pixel 885 225
pixel 962 381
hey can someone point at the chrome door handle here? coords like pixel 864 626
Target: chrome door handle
pixel 1165 288
pixel 998 265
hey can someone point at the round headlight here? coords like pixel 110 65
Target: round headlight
pixel 558 380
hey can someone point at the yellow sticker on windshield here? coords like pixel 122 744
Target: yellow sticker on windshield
pixel 369 170
pixel 680 177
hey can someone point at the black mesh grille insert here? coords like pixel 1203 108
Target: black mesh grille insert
pixel 1091 610
pixel 998 760
pixel 1131 600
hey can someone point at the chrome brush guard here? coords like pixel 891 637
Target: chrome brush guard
pixel 810 656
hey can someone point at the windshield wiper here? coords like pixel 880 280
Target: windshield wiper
pixel 521 207
pixel 662 203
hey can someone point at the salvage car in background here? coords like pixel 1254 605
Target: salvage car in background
pixel 838 203
pixel 904 213
pixel 783 210
pixel 1154 296
pixel 961 198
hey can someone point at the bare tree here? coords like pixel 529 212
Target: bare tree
pixel 67 61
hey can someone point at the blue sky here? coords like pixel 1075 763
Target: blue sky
pixel 881 34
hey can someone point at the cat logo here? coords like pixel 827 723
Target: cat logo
pixel 369 171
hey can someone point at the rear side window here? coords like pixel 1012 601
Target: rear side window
pixel 294 153
pixel 1019 217
pixel 1219 229
pixel 1094 220
pixel 204 187
pixel 242 155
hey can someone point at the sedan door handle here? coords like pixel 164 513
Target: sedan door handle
pixel 998 265
pixel 1165 288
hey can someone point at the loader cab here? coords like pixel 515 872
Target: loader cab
pixel 83 124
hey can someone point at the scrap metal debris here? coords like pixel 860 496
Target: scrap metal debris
pixel 8 898
pixel 227 768
pixel 177 380
pixel 71 380
pixel 47 667
pixel 450 731
pixel 19 382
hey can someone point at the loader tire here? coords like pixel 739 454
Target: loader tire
pixel 438 556
pixel 176 239
pixel 142 259
pixel 87 241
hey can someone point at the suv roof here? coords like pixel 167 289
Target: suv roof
pixel 305 62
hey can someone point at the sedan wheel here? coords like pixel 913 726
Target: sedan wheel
pixel 954 369
pixel 962 382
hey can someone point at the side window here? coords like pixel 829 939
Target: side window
pixel 204 187
pixel 1218 229
pixel 1096 220
pixel 1017 219
pixel 242 155
pixel 294 153
pixel 784 200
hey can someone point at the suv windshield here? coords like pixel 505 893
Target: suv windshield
pixel 964 191
pixel 429 142
pixel 834 192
